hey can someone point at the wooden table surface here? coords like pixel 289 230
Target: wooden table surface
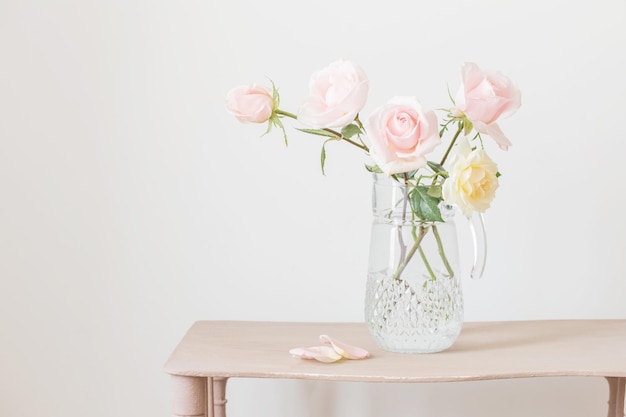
pixel 213 351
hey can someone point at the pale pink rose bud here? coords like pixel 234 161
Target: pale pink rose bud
pixel 484 97
pixel 250 103
pixel 401 134
pixel 337 94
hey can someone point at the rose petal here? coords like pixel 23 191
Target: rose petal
pixel 324 354
pixel 496 134
pixel 344 349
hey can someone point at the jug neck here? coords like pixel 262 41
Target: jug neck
pixel 391 202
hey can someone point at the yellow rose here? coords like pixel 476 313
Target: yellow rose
pixel 473 180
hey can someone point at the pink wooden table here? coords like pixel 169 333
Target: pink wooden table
pixel 213 351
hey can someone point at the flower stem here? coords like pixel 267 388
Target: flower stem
pixel 452 142
pixel 334 132
pixel 427 264
pixel 422 232
pixel 405 199
pixel 286 113
pixel 350 141
pixel 442 253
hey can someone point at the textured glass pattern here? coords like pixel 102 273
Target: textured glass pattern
pixel 414 319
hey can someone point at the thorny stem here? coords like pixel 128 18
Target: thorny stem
pixel 422 232
pixel 286 113
pixel 334 132
pixel 424 259
pixel 403 219
pixel 427 264
pixel 442 253
pixel 452 142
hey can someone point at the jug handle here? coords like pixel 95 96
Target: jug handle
pixel 479 239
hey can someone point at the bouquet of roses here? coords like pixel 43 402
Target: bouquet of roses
pixel 400 134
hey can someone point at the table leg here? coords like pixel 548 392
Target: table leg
pixel 216 389
pixel 617 386
pixel 189 396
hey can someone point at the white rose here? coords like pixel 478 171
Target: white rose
pixel 473 179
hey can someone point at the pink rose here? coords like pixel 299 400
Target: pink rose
pixel 337 94
pixel 401 134
pixel 484 97
pixel 250 103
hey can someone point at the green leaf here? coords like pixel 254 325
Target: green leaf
pixel 275 121
pixel 425 206
pixel 323 156
pixel 270 125
pixel 437 168
pixel 450 94
pixel 434 191
pixel 374 168
pixel 320 132
pixel 351 130
pixel 358 123
pixel 275 95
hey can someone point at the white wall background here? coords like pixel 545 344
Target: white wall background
pixel 132 205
